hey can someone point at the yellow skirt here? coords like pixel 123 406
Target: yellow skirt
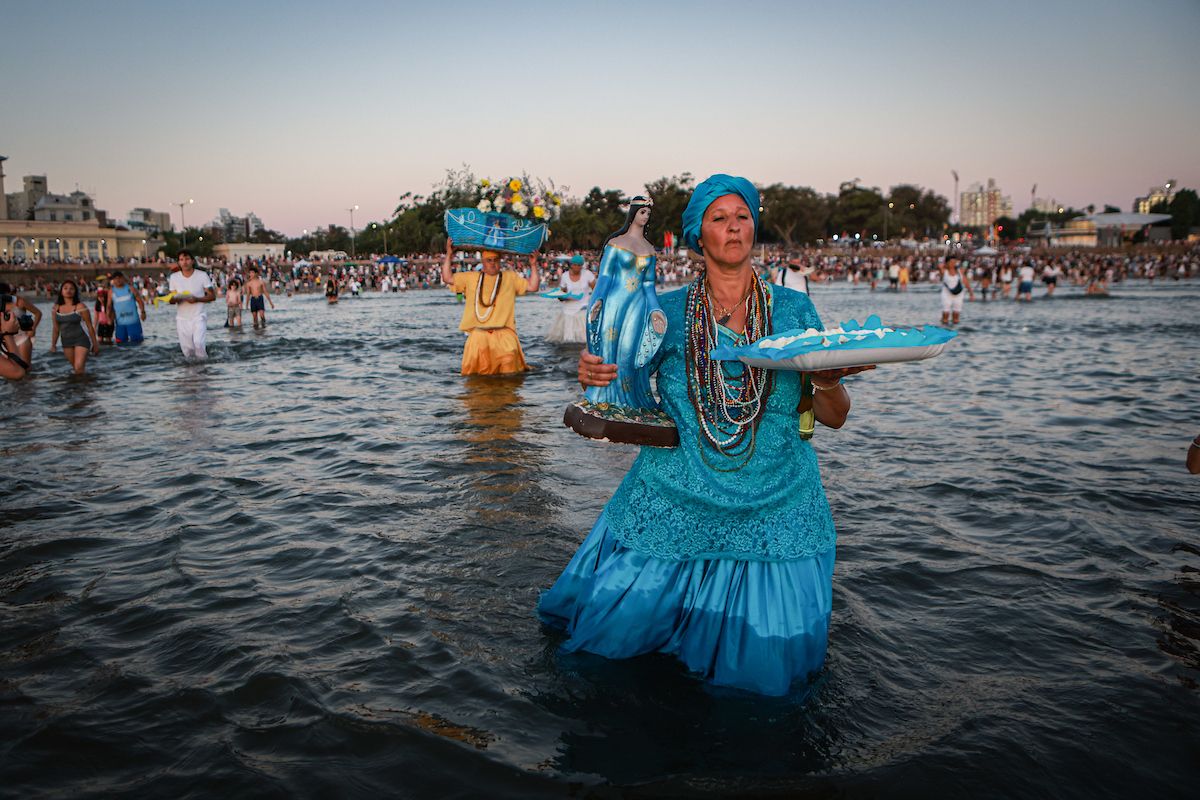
pixel 492 351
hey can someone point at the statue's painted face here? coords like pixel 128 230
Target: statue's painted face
pixel 643 215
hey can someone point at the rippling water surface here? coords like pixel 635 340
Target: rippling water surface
pixel 309 566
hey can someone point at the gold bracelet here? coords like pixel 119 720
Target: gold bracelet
pixel 819 388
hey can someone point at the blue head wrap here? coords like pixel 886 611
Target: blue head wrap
pixel 577 260
pixel 716 186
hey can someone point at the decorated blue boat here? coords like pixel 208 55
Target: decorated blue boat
pixel 472 228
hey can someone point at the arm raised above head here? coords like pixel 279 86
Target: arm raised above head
pixel 447 266
pixel 535 279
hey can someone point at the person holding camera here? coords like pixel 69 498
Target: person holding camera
pixel 27 322
pixel 12 366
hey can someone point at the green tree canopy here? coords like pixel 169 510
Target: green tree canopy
pixel 670 196
pixel 793 215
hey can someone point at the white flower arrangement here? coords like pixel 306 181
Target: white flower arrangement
pixel 520 197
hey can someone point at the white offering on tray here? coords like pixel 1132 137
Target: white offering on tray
pixel 848 345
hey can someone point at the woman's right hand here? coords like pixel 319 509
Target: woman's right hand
pixel 449 247
pixel 593 371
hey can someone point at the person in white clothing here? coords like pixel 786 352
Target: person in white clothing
pixel 954 284
pixel 570 326
pixel 1025 289
pixel 794 276
pixel 191 288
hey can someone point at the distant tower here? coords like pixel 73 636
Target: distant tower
pixel 3 196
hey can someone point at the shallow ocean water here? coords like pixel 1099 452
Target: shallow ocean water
pixel 308 567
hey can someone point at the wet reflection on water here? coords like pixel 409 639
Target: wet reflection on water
pixel 309 566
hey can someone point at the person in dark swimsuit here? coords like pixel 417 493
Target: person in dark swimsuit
pixel 70 317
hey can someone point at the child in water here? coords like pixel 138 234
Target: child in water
pixel 104 322
pixel 233 304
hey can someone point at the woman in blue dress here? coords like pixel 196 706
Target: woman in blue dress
pixel 720 551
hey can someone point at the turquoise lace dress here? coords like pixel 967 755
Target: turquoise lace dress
pixel 730 571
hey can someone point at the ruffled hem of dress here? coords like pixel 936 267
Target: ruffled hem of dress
pixel 750 624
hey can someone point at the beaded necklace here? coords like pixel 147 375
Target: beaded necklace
pixel 490 305
pixel 728 409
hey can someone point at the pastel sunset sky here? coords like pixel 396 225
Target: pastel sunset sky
pixel 298 110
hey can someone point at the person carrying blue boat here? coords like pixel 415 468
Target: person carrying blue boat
pixel 489 315
pixel 719 551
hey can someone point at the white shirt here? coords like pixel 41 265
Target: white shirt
pixel 580 286
pixel 196 286
pixel 792 279
pixel 1026 273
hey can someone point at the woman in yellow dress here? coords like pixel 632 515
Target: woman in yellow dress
pixel 489 317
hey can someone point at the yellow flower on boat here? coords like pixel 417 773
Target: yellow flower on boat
pixel 485 183
pixel 539 211
pixel 515 185
pixel 516 198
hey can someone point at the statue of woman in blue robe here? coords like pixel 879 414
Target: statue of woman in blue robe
pixel 626 325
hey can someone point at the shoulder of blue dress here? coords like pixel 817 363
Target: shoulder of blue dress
pixel 673 300
pixel 790 306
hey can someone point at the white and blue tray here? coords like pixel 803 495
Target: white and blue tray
pixel 559 294
pixel 849 345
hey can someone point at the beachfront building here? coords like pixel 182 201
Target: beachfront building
pixel 249 251
pixel 1154 196
pixel 27 241
pixel 980 207
pixel 38 225
pixel 1044 206
pixel 237 229
pixel 148 221
pixel 35 201
pixel 1097 230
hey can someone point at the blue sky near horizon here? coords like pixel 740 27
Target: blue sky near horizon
pixel 298 110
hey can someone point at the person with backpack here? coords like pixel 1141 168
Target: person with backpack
pixel 954 283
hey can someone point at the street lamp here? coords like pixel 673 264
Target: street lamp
pixel 957 202
pixel 182 221
pixel 353 252
pixel 886 213
pixel 385 247
pixel 143 249
pixel 103 258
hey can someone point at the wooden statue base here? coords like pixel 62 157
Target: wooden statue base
pixel 649 427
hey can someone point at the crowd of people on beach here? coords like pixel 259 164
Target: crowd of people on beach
pixel 89 311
